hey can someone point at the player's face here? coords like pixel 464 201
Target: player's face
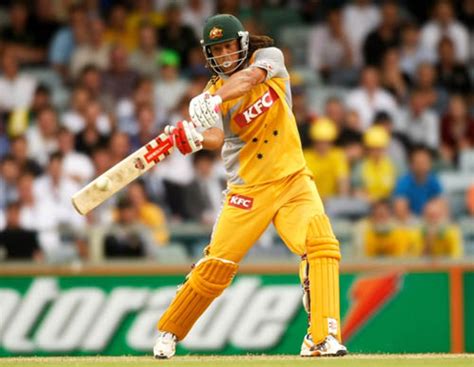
pixel 226 54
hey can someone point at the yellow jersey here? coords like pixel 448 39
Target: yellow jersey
pixel 328 170
pixel 261 143
pixel 378 177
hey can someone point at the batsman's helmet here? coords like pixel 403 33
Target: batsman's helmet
pixel 223 28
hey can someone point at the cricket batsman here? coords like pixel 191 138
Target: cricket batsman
pixel 246 110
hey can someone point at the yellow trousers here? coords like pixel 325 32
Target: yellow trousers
pixel 289 203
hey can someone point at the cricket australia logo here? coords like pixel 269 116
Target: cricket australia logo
pixel 216 33
pixel 259 107
pixel 241 202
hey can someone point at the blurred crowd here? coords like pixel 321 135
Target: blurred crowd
pixel 382 94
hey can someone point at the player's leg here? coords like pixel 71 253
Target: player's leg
pixel 306 230
pixel 238 227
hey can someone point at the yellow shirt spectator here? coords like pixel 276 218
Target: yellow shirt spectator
pixel 328 164
pixel 328 170
pixel 443 241
pixel 392 241
pixel 378 177
pixel 153 217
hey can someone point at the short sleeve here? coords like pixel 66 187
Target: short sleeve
pixel 272 61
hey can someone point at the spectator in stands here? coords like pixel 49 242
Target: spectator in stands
pixel 177 36
pixel 302 114
pixel 95 51
pixel 19 152
pixel 67 38
pixel 442 24
pixel 126 110
pixel 90 137
pixel 32 215
pixel 53 190
pixel 9 174
pixel 171 88
pixel 374 178
pixel 452 75
pixel 470 200
pixel 329 50
pixel 83 107
pixel 16 242
pixel 76 166
pixel 21 118
pixel 404 217
pixel 327 163
pixel 382 237
pixel 360 17
pixel 195 14
pixel 149 214
pixel 396 149
pixel 350 137
pixel 91 79
pixel 418 123
pixel 420 185
pixel 42 137
pixel 43 22
pixel 21 39
pixel 143 12
pixel 440 237
pixel 370 98
pixel 412 52
pixel 119 80
pixel 386 36
pixel 146 124
pixel 425 81
pixel 119 146
pixel 392 78
pixel 127 237
pixel 144 59
pixel 16 89
pixel 117 31
pixel 457 130
pixel 203 196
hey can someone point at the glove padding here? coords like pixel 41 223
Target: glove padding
pixel 185 137
pixel 204 110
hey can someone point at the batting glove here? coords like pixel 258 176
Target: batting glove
pixel 185 137
pixel 204 110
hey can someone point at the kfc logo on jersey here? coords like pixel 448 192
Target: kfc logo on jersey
pixel 240 201
pixel 259 107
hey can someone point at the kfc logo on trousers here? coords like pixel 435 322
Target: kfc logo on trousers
pixel 240 201
pixel 259 107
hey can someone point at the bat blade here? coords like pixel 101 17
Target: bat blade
pixel 120 175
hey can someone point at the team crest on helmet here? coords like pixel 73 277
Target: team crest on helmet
pixel 216 33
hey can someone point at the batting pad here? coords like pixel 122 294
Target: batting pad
pixel 323 257
pixel 206 281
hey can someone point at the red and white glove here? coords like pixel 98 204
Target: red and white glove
pixel 185 137
pixel 204 110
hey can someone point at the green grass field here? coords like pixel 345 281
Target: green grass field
pixel 412 360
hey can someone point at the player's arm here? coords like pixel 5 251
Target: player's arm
pixel 213 138
pixel 241 82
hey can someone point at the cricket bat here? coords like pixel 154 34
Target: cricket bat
pixel 120 175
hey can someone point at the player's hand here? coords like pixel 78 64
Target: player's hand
pixel 204 110
pixel 185 137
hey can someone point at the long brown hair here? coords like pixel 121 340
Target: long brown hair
pixel 257 42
